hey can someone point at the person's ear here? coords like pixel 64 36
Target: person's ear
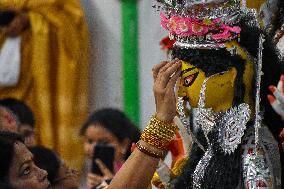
pixel 125 145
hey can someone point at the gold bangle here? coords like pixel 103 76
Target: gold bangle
pixel 158 133
pixel 150 152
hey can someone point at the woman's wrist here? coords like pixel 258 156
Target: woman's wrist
pixel 164 118
pixel 150 150
pixel 158 133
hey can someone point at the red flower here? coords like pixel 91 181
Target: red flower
pixel 166 43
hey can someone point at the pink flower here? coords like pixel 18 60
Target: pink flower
pixel 199 29
pixel 227 32
pixel 184 27
pixel 172 24
pixel 234 29
pixel 217 21
pixel 164 20
pixel 225 35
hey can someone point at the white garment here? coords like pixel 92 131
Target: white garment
pixel 10 62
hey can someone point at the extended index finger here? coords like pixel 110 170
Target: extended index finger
pixel 156 68
pixel 169 73
pixel 103 168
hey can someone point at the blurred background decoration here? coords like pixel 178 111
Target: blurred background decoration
pixel 47 44
pixel 53 58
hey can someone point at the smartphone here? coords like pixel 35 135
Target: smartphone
pixel 105 153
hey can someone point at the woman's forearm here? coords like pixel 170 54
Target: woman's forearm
pixel 136 172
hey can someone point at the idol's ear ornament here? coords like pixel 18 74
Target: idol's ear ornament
pixel 230 136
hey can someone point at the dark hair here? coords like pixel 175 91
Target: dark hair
pixel 229 167
pixel 5 186
pixel 279 21
pixel 7 152
pixel 20 109
pixel 47 160
pixel 117 123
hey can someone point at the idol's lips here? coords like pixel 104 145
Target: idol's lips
pixel 185 98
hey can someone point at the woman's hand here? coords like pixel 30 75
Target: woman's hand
pixel 165 77
pixel 277 99
pixel 94 180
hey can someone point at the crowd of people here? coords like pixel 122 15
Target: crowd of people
pixel 40 167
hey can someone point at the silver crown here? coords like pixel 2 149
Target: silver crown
pixel 201 9
pixel 227 12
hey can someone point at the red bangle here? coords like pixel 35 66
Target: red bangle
pixel 148 152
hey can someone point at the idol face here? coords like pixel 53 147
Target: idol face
pixel 219 93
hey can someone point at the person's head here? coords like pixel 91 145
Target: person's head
pixel 109 126
pixel 18 169
pixel 25 117
pixel 8 121
pixel 59 175
pixel 231 75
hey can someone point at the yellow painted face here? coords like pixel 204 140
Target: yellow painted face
pixel 219 92
pixel 255 3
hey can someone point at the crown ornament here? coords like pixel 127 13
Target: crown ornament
pixel 199 24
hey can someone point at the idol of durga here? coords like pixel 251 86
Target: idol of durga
pixel 228 62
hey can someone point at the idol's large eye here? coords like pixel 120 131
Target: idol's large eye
pixel 189 80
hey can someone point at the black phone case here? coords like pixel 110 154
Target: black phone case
pixel 106 154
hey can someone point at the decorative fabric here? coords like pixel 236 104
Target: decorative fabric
pixel 261 166
pixel 231 124
pixel 54 72
pixel 230 127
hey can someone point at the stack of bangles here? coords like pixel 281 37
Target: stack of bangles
pixel 156 137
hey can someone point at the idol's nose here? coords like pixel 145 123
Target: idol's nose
pixel 182 92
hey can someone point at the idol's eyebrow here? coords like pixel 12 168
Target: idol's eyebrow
pixel 187 70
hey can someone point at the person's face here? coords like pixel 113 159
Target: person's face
pixel 67 178
pixel 96 134
pixel 23 173
pixel 27 132
pixel 219 89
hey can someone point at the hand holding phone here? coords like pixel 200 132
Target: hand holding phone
pixel 105 154
pixel 102 168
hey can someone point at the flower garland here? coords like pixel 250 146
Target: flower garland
pixel 214 29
